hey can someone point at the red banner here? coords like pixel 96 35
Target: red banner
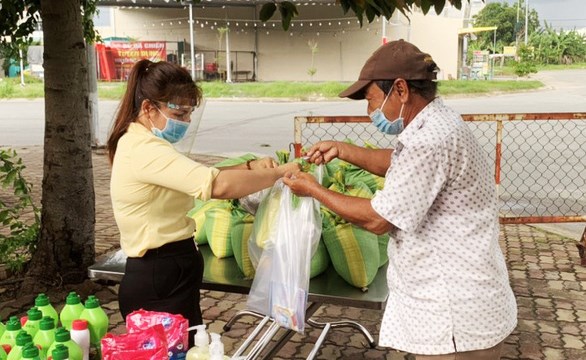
pixel 131 52
pixel 117 57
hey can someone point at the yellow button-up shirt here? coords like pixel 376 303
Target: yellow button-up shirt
pixel 152 187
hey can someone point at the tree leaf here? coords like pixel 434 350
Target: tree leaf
pixel 425 6
pixel 288 11
pixel 345 5
pixel 375 7
pixel 370 12
pixel 267 11
pixel 439 6
pixel 456 3
pixel 291 7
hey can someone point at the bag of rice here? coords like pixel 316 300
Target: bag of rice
pixel 198 215
pixel 240 234
pixel 354 252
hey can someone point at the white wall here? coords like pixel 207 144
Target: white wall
pixel 343 46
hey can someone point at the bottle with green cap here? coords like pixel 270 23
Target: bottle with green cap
pixel 63 337
pixel 2 328
pixel 45 336
pixel 12 329
pixel 44 305
pixel 30 352
pixel 3 354
pixel 61 352
pixel 96 318
pixel 22 339
pixel 71 311
pixel 32 323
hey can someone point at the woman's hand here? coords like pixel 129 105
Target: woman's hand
pixel 264 163
pixel 323 152
pixel 288 168
pixel 300 183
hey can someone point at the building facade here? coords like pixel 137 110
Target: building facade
pixel 322 43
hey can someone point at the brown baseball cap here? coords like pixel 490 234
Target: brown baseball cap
pixel 393 60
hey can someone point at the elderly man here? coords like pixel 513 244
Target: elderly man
pixel 449 293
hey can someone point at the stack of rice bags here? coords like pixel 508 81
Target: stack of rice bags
pixel 240 228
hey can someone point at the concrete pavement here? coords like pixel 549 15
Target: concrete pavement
pixel 544 269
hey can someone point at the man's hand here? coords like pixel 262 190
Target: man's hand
pixel 323 152
pixel 300 183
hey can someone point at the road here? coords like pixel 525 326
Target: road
pixel 233 127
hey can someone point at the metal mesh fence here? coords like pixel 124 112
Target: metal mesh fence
pixel 539 159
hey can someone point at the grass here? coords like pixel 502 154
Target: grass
pixel 464 87
pixel 508 70
pixel 10 88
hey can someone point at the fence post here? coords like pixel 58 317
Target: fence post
pixel 497 156
pixel 582 248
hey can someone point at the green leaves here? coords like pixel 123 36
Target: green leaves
pixel 17 244
pixel 288 11
pixel 372 9
pixel 267 11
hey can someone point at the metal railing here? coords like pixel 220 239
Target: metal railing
pixel 539 158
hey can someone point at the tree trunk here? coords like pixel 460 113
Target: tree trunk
pixel 66 244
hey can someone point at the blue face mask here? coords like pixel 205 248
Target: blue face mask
pixel 383 124
pixel 173 131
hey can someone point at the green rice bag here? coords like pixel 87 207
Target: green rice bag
pixel 198 215
pixel 236 160
pixel 240 233
pixel 218 227
pixel 354 252
pixel 319 261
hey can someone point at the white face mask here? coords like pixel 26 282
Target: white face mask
pixel 385 125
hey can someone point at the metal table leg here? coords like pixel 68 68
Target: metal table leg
pixel 319 341
pixel 288 334
pixel 251 337
pixel 263 342
pixel 345 323
pixel 240 314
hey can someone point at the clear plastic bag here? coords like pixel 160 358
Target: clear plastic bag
pixel 281 283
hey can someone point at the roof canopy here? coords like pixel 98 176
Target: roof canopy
pixel 211 3
pixel 476 29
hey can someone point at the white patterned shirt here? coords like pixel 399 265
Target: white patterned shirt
pixel 448 285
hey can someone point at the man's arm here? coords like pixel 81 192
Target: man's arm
pixel 375 161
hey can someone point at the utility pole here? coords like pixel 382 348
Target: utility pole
pixel 384 30
pixel 191 40
pixel 517 25
pixel 526 20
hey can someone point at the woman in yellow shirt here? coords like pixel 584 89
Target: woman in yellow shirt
pixel 153 186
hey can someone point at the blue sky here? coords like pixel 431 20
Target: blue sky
pixel 566 14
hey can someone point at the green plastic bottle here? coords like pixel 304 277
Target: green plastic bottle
pixel 96 318
pixel 62 337
pixel 22 339
pixel 71 311
pixel 30 352
pixel 32 323
pixel 43 304
pixel 2 328
pixel 45 336
pixel 61 352
pixel 12 329
pixel 3 354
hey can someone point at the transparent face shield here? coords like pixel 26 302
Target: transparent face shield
pixel 185 145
